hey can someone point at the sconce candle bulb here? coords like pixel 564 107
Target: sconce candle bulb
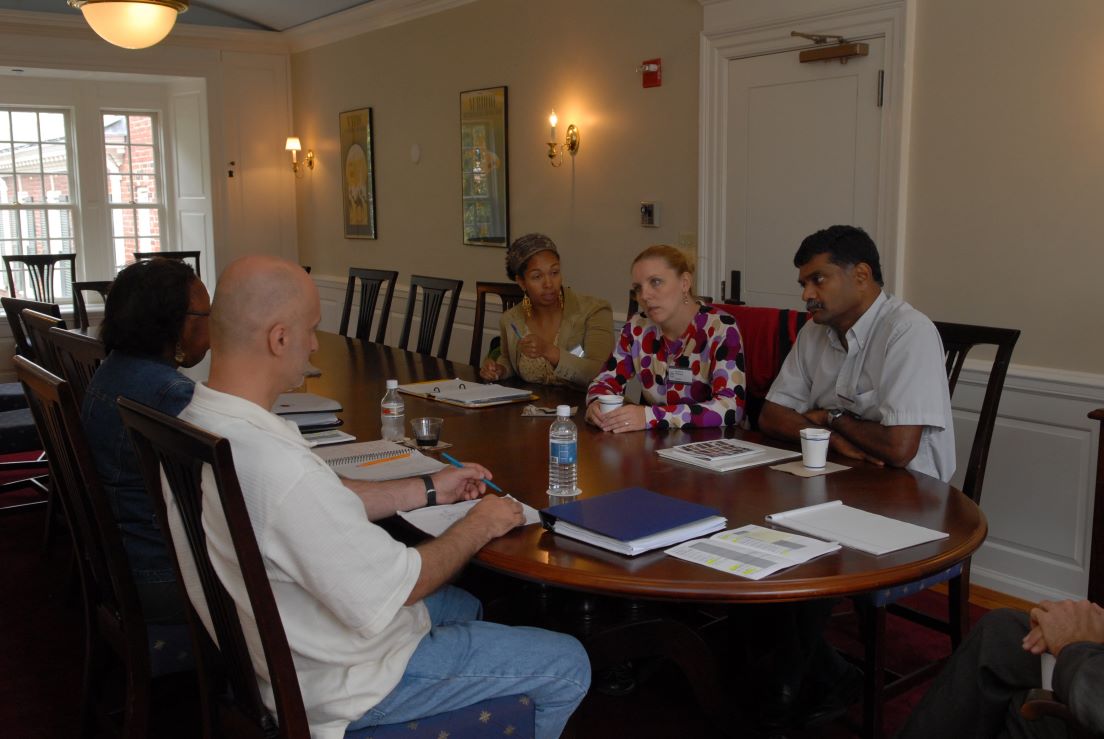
pixel 294 147
pixel 571 144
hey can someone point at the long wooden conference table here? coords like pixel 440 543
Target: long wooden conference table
pixel 515 449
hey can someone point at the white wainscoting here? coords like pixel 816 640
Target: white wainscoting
pixel 1039 483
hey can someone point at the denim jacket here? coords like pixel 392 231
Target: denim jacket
pixel 155 383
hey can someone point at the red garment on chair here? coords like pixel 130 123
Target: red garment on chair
pixel 767 334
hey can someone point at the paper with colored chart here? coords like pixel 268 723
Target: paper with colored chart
pixel 752 551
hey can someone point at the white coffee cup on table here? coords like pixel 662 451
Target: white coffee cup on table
pixel 814 447
pixel 607 403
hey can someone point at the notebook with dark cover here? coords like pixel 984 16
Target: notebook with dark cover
pixel 632 520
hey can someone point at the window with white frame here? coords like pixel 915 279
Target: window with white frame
pixel 37 204
pixel 133 162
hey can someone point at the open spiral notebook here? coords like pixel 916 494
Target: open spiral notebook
pixel 377 460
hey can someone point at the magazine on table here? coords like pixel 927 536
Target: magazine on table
pixel 725 455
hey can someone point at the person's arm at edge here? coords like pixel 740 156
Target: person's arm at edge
pixel 444 556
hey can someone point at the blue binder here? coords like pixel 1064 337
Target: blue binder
pixel 627 515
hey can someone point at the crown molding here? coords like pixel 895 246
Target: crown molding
pixel 60 25
pixel 364 19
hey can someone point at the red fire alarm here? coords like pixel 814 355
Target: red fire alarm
pixel 652 70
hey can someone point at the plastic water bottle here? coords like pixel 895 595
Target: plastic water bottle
pixel 392 413
pixel 563 446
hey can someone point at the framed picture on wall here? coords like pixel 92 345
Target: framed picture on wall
pixel 483 171
pixel 358 174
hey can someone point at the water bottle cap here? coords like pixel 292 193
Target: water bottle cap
pixel 392 384
pixel 563 411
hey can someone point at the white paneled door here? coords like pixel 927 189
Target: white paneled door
pixel 803 143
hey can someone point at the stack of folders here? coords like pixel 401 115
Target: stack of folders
pixel 725 455
pixel 631 521
pixel 308 411
pixel 377 460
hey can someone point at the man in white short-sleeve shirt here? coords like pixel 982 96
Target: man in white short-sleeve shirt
pixel 869 366
pixel 376 634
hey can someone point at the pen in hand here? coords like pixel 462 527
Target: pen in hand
pixel 456 463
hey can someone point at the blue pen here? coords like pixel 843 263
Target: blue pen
pixel 456 463
pixel 515 328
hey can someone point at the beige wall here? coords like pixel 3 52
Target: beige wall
pixel 1006 193
pixel 577 56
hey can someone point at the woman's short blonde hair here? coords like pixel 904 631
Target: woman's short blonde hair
pixel 675 258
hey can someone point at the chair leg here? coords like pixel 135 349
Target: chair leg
pixel 874 670
pixel 958 606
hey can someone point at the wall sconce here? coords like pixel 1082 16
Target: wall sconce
pixel 131 24
pixel 571 142
pixel 294 146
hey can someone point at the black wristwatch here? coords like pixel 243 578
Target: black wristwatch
pixel 834 414
pixel 431 491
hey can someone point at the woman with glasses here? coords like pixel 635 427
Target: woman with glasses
pixel 155 321
pixel 688 356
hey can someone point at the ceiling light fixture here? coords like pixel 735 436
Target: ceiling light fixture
pixel 131 24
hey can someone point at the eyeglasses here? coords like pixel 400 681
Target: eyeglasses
pixel 197 313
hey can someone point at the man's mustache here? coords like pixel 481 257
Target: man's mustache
pixel 811 305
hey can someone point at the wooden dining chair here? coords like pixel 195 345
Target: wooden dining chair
pixel 371 281
pixel 122 654
pixel 184 256
pixel 13 309
pixel 230 685
pixel 508 293
pixel 433 291
pixel 78 357
pixel 40 271
pixel 38 325
pixel 958 339
pixel 80 307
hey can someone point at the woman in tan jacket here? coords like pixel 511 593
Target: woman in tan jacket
pixel 555 336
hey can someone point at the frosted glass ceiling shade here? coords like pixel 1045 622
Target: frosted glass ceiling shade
pixel 131 24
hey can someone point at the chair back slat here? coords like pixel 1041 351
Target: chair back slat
pixel 40 269
pixel 958 339
pixel 78 356
pixel 371 280
pixel 510 295
pixel 183 256
pixel 38 325
pixel 433 295
pixel 13 309
pixel 183 452
pixel 80 307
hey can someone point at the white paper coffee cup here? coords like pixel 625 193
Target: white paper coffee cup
pixel 814 447
pixel 607 403
pixel 1047 677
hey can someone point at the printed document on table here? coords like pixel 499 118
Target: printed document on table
pixel 752 551
pixel 433 520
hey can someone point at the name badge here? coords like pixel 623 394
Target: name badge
pixel 680 375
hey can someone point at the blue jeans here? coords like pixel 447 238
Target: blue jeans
pixel 462 661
